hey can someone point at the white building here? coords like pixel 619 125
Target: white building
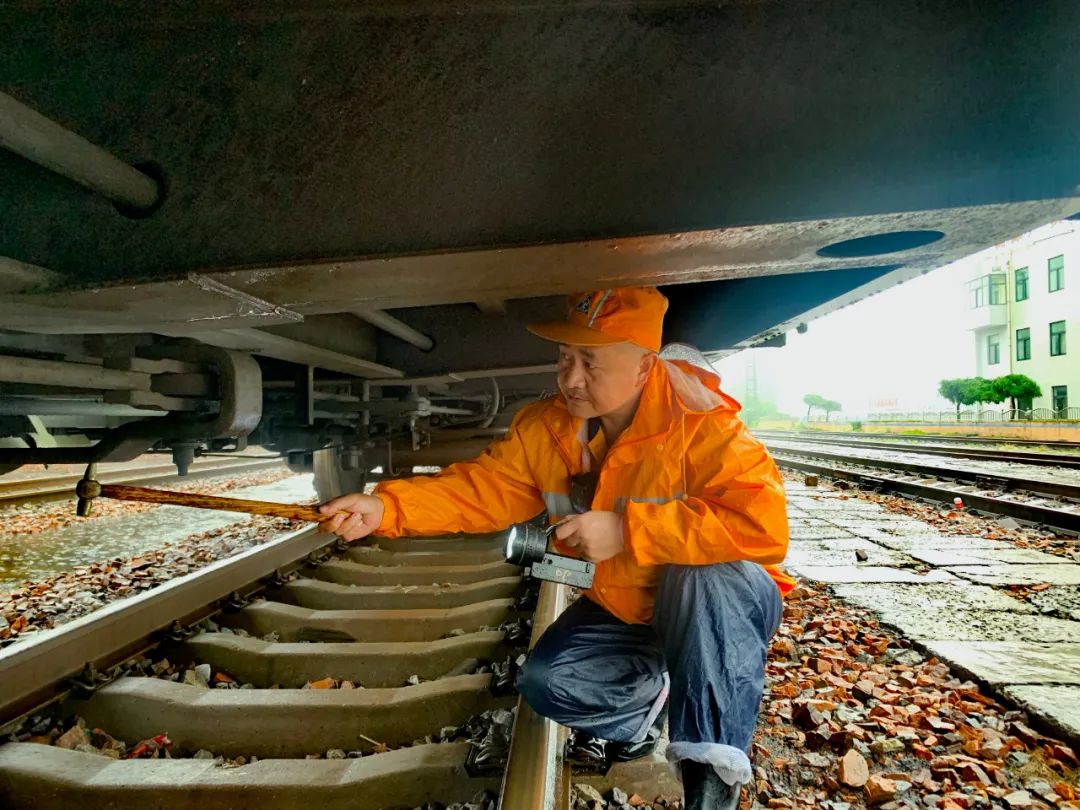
pixel 1024 300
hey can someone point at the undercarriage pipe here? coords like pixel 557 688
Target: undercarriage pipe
pixel 392 326
pixel 33 136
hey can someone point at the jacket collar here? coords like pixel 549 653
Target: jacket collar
pixel 673 390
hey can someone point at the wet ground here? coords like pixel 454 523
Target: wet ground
pixel 126 533
pixel 1003 615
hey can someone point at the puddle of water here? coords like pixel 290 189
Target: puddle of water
pixel 33 557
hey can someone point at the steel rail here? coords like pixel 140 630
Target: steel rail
pixel 40 670
pixel 59 486
pixel 1034 513
pixel 987 480
pixel 944 438
pixel 533 771
pixel 1017 457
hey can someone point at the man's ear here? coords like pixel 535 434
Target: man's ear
pixel 648 360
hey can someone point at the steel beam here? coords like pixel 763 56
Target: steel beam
pixel 474 374
pixel 43 406
pixel 30 371
pixel 293 351
pixel 528 271
pixel 16 276
pixel 43 141
pixel 394 326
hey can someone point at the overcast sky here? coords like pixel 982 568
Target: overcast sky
pixel 896 345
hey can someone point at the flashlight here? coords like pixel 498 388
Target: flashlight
pixel 526 545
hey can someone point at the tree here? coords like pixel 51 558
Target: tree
pixel 983 390
pixel 969 391
pixel 830 406
pixel 954 390
pixel 1016 386
pixel 812 401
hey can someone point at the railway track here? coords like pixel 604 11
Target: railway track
pixel 1068 461
pixel 928 438
pixel 425 631
pixel 1048 503
pixel 50 487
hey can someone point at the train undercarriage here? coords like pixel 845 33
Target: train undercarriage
pixel 322 230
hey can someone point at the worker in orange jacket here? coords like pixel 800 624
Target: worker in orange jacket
pixel 650 474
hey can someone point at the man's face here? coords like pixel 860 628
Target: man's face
pixel 598 380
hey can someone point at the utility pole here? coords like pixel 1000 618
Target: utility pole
pixel 751 377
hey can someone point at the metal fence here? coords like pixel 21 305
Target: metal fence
pixel 972 416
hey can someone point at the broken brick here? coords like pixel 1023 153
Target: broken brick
pixel 879 789
pixel 853 770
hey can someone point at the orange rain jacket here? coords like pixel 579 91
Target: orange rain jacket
pixel 693 485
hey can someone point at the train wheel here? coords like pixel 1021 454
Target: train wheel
pixel 338 471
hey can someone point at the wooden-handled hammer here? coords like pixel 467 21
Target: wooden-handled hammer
pixel 88 489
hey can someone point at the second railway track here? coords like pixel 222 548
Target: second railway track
pixel 1049 503
pixel 885 442
pixel 427 628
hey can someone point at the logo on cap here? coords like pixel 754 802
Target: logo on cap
pixel 585 304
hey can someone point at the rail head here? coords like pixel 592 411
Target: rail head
pixel 533 771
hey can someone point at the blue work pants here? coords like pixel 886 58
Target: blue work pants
pixel 707 643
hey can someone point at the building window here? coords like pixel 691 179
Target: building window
pixel 993 350
pixel 1060 396
pixel 1023 344
pixel 1057 338
pixel 1022 284
pixel 1056 268
pixel 987 290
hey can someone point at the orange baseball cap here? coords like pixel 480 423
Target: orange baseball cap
pixel 604 317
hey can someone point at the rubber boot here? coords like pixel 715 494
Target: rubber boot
pixel 587 752
pixel 703 789
pixel 627 752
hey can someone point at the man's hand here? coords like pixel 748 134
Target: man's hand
pixel 598 535
pixel 357 515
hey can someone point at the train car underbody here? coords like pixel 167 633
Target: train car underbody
pixel 321 227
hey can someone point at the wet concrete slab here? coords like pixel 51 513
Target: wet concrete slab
pixel 869 573
pixel 824 533
pixel 1059 704
pixel 1062 601
pixel 843 552
pixel 880 518
pixel 930 541
pixel 1005 574
pixel 933 600
pixel 1006 663
pixel 807 523
pixel 907 529
pixel 985 625
pixel 968 555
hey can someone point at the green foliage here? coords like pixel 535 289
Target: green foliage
pixel 816 401
pixel 856 426
pixel 977 390
pixel 953 390
pixel 969 391
pixel 1016 386
pixel 983 390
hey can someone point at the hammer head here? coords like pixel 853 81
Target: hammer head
pixel 87 489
